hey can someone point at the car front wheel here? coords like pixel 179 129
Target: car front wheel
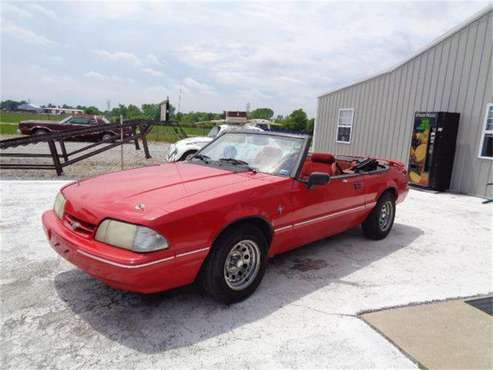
pixel 187 155
pixel 40 131
pixel 380 221
pixel 236 264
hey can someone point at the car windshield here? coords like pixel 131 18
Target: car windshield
pixel 272 154
pixel 213 132
pixel 65 120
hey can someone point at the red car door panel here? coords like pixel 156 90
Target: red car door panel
pixel 322 211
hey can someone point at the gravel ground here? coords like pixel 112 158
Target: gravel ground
pixel 105 162
pixel 304 314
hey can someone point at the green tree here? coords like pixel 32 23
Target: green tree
pixel 91 110
pixel 261 113
pixel 11 104
pixel 133 111
pixel 297 120
pixel 151 111
pixel 310 126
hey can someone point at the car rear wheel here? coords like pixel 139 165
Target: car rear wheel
pixel 107 137
pixel 380 221
pixel 236 264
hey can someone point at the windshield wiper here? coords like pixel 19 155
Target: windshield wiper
pixel 201 157
pixel 238 162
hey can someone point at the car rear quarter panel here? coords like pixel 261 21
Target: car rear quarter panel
pixel 395 179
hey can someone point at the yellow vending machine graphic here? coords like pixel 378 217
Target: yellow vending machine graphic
pixel 432 152
pixel 421 149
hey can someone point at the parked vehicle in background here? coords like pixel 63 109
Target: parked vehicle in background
pixel 39 127
pixel 266 125
pixel 186 148
pixel 217 218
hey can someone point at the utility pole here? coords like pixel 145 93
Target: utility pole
pixel 121 139
pixel 179 101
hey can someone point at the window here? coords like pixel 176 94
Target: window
pixel 344 125
pixel 486 146
pixel 79 121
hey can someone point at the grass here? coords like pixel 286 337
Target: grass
pixel 158 133
pixel 16 117
pixel 168 134
pixel 8 129
pixel 10 120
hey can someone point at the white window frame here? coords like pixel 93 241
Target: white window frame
pixel 350 126
pixel 484 132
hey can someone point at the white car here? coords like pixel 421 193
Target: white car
pixel 186 148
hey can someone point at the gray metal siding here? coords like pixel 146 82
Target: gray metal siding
pixel 455 75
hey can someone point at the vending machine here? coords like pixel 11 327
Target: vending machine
pixel 431 157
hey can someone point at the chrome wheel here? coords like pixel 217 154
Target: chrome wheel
pixel 242 264
pixel 386 215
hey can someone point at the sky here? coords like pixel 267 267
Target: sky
pixel 221 55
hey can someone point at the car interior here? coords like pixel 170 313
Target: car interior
pixel 327 163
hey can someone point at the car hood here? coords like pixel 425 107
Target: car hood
pixel 195 140
pixel 148 192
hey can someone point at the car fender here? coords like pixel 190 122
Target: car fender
pixel 388 184
pixel 41 128
pixel 255 217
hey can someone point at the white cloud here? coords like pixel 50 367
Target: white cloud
pixel 95 75
pixel 152 59
pixel 153 72
pixel 36 8
pixel 222 54
pixel 118 56
pixel 107 78
pixel 26 35
pixel 9 10
pixel 197 86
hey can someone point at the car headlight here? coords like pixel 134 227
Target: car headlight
pixel 194 143
pixel 133 237
pixel 172 153
pixel 59 206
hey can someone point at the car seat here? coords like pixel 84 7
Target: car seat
pixel 269 155
pixel 320 162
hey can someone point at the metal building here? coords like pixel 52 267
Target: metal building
pixel 375 117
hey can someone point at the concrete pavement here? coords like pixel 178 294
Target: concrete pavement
pixel 304 314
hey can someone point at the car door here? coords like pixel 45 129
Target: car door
pixel 325 210
pixel 77 123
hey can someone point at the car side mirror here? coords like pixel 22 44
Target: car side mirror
pixel 318 178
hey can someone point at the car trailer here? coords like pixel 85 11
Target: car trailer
pixel 133 129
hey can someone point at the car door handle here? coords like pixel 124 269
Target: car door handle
pixel 357 185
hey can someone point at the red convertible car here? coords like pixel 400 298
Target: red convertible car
pixel 219 216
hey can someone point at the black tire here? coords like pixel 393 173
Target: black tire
pixel 213 275
pixel 379 223
pixel 107 136
pixel 40 131
pixel 187 155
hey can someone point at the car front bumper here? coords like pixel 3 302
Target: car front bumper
pixel 123 269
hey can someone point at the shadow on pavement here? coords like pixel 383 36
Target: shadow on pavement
pixel 182 317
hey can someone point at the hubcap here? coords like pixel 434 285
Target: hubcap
pixel 386 213
pixel 242 264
